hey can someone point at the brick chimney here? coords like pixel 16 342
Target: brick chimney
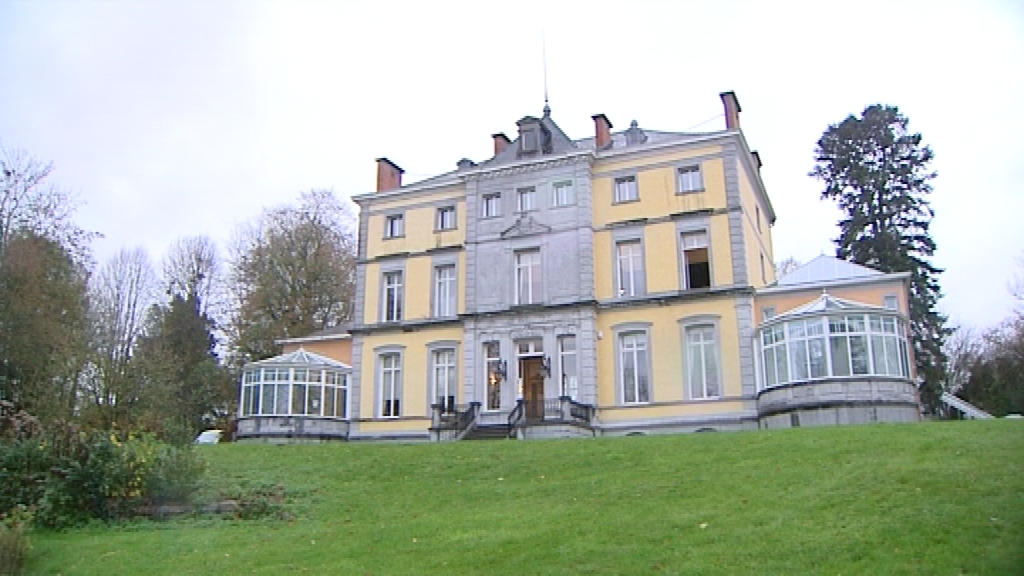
pixel 602 131
pixel 389 175
pixel 732 110
pixel 500 142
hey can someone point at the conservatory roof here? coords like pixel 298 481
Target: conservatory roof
pixel 825 269
pixel 300 358
pixel 827 303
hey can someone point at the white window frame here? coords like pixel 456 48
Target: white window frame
pixel 707 350
pixel 568 372
pixel 491 205
pixel 446 218
pixel 445 291
pixel 492 359
pixel 626 189
pixel 684 250
pixel 390 389
pixel 444 376
pixel 640 332
pixel 528 267
pixel 630 269
pixel 392 289
pixel 563 193
pixel 689 179
pixel 526 199
pixel 394 226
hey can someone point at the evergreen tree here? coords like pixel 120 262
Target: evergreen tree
pixel 878 172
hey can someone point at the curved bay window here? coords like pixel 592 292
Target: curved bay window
pixel 802 347
pixel 299 390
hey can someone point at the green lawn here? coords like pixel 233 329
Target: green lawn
pixel 932 498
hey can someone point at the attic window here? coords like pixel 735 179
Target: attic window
pixel 528 142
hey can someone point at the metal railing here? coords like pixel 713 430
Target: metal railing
pixel 453 422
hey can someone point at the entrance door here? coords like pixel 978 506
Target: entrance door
pixel 532 373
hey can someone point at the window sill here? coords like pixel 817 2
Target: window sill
pixel 685 192
pixel 393 237
pixel 629 201
pixel 436 230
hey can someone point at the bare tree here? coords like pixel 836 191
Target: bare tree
pixel 786 266
pixel 30 204
pixel 120 295
pixel 292 272
pixel 192 270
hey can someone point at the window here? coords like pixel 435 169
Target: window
pixel 564 193
pixel 445 218
pixel 690 179
pixel 757 217
pixel 625 189
pixel 702 372
pixel 445 384
pixel 891 302
pixel 390 385
pixel 696 264
pixel 764 277
pixel 298 391
pixel 392 308
pixel 492 362
pixel 394 226
pixel 768 313
pixel 528 277
pixel 634 368
pixel 836 346
pixel 444 291
pixel 567 366
pixel 526 199
pixel 492 205
pixel 629 269
pixel 529 140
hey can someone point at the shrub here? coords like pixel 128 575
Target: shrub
pixel 13 542
pixel 70 475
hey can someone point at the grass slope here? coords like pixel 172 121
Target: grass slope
pixel 934 498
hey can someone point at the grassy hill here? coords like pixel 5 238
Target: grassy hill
pixel 932 498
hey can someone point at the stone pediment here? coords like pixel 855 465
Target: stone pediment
pixel 526 225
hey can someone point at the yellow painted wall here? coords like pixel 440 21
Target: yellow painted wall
pixel 622 163
pixel 609 415
pixel 371 295
pixel 415 359
pixel 666 347
pixel 661 257
pixel 873 294
pixel 394 425
pixel 757 242
pixel 338 349
pixel 419 223
pixel 418 279
pixel 657 188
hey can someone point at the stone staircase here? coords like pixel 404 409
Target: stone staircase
pixel 488 432
pixel 969 410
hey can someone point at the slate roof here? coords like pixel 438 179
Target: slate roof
pixel 827 269
pixel 300 358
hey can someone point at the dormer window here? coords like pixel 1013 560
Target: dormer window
pixel 528 140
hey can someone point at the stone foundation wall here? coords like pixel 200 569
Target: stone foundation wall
pixel 838 402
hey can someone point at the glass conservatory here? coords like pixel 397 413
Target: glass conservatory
pixel 841 360
pixel 299 395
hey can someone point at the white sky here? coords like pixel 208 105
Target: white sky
pixel 187 117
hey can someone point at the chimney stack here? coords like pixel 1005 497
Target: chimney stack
pixel 602 131
pixel 732 110
pixel 500 142
pixel 389 175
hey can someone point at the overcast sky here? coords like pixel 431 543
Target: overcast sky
pixel 186 118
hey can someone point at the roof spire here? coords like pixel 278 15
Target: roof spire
pixel 544 57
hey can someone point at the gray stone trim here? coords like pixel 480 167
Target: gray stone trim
pixel 687 322
pixel 745 332
pixel 619 330
pixel 378 390
pixel 733 201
